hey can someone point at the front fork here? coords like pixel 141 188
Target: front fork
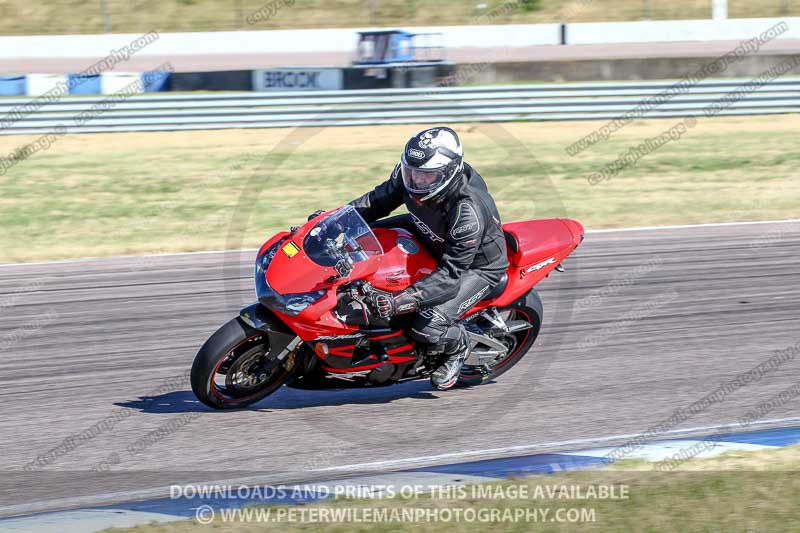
pixel 281 342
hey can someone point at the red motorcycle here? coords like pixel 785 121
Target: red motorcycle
pixel 313 328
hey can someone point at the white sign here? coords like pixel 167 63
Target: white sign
pixel 55 84
pixel 114 82
pixel 301 79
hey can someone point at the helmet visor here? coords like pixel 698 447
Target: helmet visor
pixel 422 181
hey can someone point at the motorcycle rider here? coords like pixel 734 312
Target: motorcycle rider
pixel 451 211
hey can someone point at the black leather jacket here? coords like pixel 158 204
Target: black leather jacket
pixel 462 231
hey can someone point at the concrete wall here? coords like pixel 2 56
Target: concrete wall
pixel 677 30
pixel 344 39
pixel 275 41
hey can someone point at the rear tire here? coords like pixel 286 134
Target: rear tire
pixel 527 308
pixel 233 369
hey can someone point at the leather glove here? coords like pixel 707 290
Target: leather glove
pixel 315 214
pixel 396 303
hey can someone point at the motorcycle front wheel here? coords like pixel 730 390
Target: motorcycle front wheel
pixel 236 368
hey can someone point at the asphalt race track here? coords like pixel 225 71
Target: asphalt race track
pixel 672 314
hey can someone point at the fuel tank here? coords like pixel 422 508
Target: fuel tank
pixel 404 262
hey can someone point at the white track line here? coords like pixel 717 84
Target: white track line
pixel 416 461
pixel 249 250
pixel 113 257
pixel 689 226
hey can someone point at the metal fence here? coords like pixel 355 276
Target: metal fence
pixel 23 17
pixel 573 101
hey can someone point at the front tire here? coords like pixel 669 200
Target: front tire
pixel 234 369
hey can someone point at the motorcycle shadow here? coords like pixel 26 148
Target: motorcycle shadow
pixel 286 398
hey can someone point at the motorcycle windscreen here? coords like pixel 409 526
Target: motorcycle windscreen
pixel 345 231
pixel 307 261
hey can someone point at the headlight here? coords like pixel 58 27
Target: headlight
pixel 262 263
pixel 297 303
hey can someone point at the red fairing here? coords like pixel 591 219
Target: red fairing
pixel 300 274
pixel 539 247
pixel 273 240
pixel 535 248
pixel 405 261
pixel 576 228
pixel 538 240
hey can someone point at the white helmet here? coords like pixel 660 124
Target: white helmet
pixel 431 162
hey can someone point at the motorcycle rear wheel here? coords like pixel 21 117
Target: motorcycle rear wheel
pixel 528 309
pixel 233 369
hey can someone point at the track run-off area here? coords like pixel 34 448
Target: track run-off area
pixel 676 328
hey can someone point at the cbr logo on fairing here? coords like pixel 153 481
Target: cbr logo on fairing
pixel 418 154
pixel 425 229
pixel 335 337
pixel 472 299
pixel 541 265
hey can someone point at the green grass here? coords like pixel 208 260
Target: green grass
pixel 738 491
pixel 133 193
pixel 63 16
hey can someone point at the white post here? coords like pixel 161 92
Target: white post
pixel 106 16
pixel 719 9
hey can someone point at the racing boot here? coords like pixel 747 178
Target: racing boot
pixel 446 376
